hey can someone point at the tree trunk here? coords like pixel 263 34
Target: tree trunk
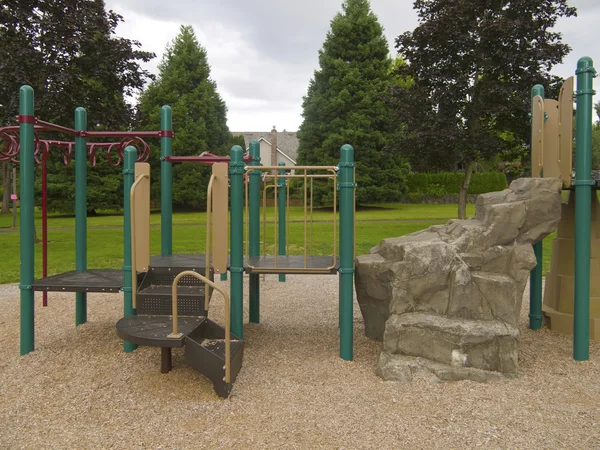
pixel 6 186
pixel 464 189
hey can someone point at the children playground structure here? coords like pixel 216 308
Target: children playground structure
pixel 167 297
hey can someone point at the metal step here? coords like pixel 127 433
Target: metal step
pixel 154 330
pixel 205 352
pixel 154 296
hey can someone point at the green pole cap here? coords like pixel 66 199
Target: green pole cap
pixel 347 153
pixel 166 117
pixel 26 100
pixel 236 153
pixel 585 64
pixel 538 89
pixel 80 118
pixel 254 149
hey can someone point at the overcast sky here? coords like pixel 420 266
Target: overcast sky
pixel 263 53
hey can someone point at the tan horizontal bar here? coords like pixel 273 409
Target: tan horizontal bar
pixel 248 168
pixel 300 176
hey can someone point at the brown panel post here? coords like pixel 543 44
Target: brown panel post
pixel 220 193
pixel 537 137
pixel 550 149
pixel 565 130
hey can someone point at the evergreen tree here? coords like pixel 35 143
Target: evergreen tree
pixel 199 116
pixel 473 65
pixel 345 103
pixel 67 51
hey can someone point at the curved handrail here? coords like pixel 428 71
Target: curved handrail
pixel 133 261
pixel 177 335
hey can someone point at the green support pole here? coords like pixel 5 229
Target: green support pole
pixel 166 182
pixel 26 169
pixel 128 179
pixel 254 213
pixel 80 211
pixel 583 201
pixel 281 201
pixel 236 264
pixel 535 278
pixel 346 270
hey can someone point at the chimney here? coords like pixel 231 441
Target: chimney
pixel 274 146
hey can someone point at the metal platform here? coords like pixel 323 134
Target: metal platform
pixel 109 280
pixel 153 330
pixel 292 264
pixel 190 262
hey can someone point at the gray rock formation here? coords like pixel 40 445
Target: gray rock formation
pixel 446 300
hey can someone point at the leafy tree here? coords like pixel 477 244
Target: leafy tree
pixel 473 66
pixel 68 52
pixel 345 103
pixel 199 116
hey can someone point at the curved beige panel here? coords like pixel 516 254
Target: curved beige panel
pixel 565 130
pixel 551 157
pixel 537 136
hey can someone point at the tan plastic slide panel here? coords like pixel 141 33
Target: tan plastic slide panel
pixel 537 136
pixel 142 218
pixel 565 130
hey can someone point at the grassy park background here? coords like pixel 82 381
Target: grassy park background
pixel 105 235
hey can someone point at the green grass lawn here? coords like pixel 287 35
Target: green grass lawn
pixel 105 245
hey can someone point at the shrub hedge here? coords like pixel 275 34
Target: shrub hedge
pixel 444 183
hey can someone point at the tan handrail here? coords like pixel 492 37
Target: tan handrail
pixel 133 259
pixel 208 236
pixel 334 168
pixel 177 335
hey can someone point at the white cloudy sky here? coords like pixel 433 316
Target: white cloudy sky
pixel 264 52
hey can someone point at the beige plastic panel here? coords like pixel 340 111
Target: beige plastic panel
pixel 220 204
pixel 142 218
pixel 537 136
pixel 551 157
pixel 565 130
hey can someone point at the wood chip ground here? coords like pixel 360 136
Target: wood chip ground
pixel 79 390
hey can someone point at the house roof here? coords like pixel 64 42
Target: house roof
pixel 287 141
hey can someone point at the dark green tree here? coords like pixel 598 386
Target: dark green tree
pixel 345 103
pixel 199 116
pixel 473 66
pixel 68 52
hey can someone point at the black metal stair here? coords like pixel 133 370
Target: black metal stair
pixel 205 352
pixel 203 339
pixel 154 294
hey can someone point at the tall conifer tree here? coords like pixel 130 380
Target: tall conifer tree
pixel 345 103
pixel 199 116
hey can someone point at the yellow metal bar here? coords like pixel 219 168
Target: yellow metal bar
pixel 178 335
pixel 305 200
pixel 311 216
pixel 333 168
pixel 335 221
pixel 287 221
pixel 133 253
pixel 354 215
pixel 208 236
pixel 275 246
pixel 323 175
pixel 247 214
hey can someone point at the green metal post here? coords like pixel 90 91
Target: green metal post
pixel 236 264
pixel 535 278
pixel 166 182
pixel 281 202
pixel 80 211
pixel 26 214
pixel 346 186
pixel 128 179
pixel 583 201
pixel 254 213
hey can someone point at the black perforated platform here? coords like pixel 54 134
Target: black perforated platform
pixel 292 264
pixel 82 281
pixel 154 330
